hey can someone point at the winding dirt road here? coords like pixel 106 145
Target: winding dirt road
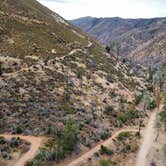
pixel 106 143
pixel 34 147
pixel 148 139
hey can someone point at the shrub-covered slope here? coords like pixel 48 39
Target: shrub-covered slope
pixel 50 71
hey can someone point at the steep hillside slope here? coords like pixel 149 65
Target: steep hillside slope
pixel 43 57
pixel 141 40
pixel 50 71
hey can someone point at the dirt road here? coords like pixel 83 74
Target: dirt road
pixel 34 147
pixel 148 139
pixel 106 143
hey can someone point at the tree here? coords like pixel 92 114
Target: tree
pixel 150 73
pixel 158 78
pixel 108 49
pixel 163 112
pixel 157 126
pixel 157 96
pixel 66 140
pixel 146 101
pixel 1 70
pixel 138 98
pixel 157 84
pixel 69 136
pixel 164 82
pixel 118 46
pixel 140 125
pixel 113 47
pixel 164 150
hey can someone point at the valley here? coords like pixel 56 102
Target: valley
pixel 140 40
pixel 67 100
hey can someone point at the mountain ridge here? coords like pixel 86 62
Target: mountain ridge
pixel 132 34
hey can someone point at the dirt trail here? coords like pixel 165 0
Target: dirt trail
pixel 34 147
pixel 148 139
pixel 106 143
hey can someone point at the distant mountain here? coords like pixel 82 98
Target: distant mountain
pixel 142 40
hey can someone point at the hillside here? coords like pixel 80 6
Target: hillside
pixel 42 57
pixel 52 73
pixel 141 40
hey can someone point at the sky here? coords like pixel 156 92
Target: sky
pixel 72 9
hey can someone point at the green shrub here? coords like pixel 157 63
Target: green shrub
pixel 109 109
pixel 105 162
pixel 104 135
pixel 18 130
pixel 150 87
pixel 50 130
pixel 152 104
pixel 164 150
pixel 123 135
pixel 131 114
pixel 29 163
pixel 58 154
pixel 123 100
pixel 15 142
pixel 1 69
pixel 123 117
pixel 5 155
pixel 119 123
pixel 112 93
pixel 138 99
pixel 2 140
pixel 105 150
pixel 126 148
pixel 37 163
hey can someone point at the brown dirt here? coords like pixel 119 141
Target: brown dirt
pixel 34 147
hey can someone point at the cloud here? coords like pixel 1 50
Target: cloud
pixel 61 1
pixel 71 9
pixel 57 1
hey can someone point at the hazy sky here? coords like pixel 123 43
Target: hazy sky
pixel 70 9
